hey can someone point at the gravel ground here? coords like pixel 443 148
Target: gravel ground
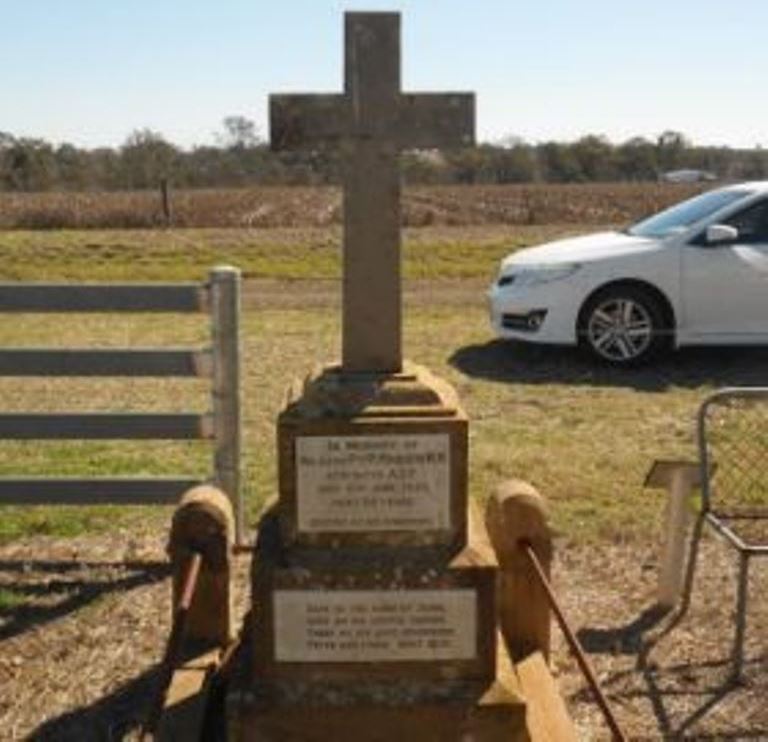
pixel 77 657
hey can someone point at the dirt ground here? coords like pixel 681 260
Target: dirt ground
pixel 78 660
pixel 79 651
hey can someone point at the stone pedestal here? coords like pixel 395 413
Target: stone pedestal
pixel 472 712
pixel 375 460
pixel 374 594
pixel 347 617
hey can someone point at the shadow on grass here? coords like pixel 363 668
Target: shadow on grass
pixel 113 717
pixel 514 362
pixel 123 713
pixel 40 599
pixel 664 683
pixel 627 639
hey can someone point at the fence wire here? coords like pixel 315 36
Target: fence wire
pixel 734 444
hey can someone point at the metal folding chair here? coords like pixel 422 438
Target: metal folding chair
pixel 733 460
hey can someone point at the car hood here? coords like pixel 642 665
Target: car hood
pixel 580 249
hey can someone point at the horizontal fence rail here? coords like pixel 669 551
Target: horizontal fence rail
pixel 220 363
pixel 105 426
pixel 104 362
pixel 57 297
pixel 94 490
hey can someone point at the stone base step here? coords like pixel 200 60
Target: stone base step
pixel 495 713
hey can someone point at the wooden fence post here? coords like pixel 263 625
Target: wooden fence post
pixel 516 513
pixel 680 478
pixel 165 201
pixel 225 318
pixel 203 524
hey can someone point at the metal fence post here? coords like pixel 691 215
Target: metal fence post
pixel 225 330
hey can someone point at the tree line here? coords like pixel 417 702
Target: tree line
pixel 240 157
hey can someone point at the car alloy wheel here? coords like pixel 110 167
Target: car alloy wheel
pixel 620 329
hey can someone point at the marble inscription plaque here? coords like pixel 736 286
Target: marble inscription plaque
pixel 373 482
pixel 375 626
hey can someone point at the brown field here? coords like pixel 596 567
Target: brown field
pixel 267 207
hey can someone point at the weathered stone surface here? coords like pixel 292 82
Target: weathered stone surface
pixel 367 584
pixel 374 616
pixel 373 483
pixel 370 123
pixel 332 392
pixel 374 625
pixel 373 460
pixel 469 712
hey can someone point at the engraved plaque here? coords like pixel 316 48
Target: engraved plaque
pixel 375 625
pixel 373 482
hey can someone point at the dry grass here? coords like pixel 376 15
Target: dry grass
pixel 535 411
pixel 271 207
pixel 78 642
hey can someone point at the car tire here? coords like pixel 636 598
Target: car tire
pixel 624 326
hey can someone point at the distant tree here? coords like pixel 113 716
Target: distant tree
pixel 424 167
pixel 636 160
pixel 558 163
pixel 756 165
pixel 105 168
pixel 27 164
pixel 73 168
pixel 594 156
pixel 146 159
pixel 239 133
pixel 513 161
pixel 671 147
pixel 240 158
pixel 466 164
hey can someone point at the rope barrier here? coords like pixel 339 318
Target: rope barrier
pixel 174 646
pixel 574 644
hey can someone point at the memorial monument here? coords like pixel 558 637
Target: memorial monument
pixel 374 594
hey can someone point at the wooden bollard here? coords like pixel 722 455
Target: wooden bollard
pixel 515 514
pixel 680 478
pixel 203 523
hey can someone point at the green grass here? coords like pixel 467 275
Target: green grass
pixel 9 599
pixel 172 255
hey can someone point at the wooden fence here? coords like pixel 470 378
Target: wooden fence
pixel 220 297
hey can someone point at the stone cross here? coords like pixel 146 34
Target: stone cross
pixel 370 123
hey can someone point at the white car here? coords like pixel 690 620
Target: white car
pixel 694 274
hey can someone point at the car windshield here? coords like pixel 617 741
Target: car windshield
pixel 683 215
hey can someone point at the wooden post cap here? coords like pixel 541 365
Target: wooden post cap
pixel 516 515
pixel 662 472
pixel 517 512
pixel 203 522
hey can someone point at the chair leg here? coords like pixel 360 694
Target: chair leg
pixel 691 567
pixel 741 616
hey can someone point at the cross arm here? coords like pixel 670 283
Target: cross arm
pixel 436 120
pixel 307 121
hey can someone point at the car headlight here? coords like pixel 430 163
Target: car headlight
pixel 534 275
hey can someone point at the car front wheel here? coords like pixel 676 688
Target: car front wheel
pixel 623 326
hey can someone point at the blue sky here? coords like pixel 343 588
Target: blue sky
pixel 91 71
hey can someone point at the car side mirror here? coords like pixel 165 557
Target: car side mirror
pixel 717 234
